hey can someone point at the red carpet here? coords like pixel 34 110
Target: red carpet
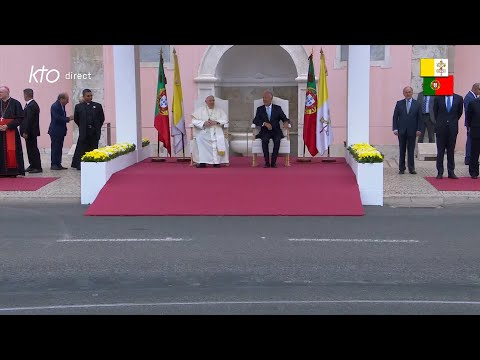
pixel 172 188
pixel 462 184
pixel 24 183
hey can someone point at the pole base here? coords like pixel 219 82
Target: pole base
pixel 329 160
pixel 304 159
pixel 183 160
pixel 158 159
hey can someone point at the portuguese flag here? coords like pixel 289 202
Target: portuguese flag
pixel 438 85
pixel 162 122
pixel 310 115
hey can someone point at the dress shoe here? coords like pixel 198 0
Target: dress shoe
pixel 63 167
pixel 266 165
pixel 475 177
pixel 35 171
pixel 401 172
pixel 452 176
pixel 273 165
pixel 216 165
pixel 28 169
pixel 55 167
pixel 201 165
pixel 413 172
pixel 439 176
pixel 467 162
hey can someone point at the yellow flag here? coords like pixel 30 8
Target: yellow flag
pixel 178 126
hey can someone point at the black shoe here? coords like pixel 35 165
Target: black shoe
pixel 475 177
pixel 28 169
pixel 267 165
pixel 439 176
pixel 452 176
pixel 216 165
pixel 55 167
pixel 273 165
pixel 201 165
pixel 467 162
pixel 401 172
pixel 35 171
pixel 413 172
pixel 63 167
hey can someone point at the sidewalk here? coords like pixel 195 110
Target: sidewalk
pixel 399 190
pixel 414 191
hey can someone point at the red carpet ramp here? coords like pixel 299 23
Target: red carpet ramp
pixel 24 183
pixel 462 184
pixel 173 188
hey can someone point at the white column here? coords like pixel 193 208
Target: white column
pixel 127 94
pixel 358 94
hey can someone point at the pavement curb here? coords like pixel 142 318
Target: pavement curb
pixel 431 201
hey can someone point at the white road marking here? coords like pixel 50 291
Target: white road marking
pixel 124 240
pixel 357 240
pixel 267 302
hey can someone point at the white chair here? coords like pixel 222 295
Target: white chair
pixel 222 104
pixel 284 143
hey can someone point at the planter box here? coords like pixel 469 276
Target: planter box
pixel 144 152
pixel 369 180
pixel 95 175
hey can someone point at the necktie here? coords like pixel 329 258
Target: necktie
pixel 449 103
pixel 269 112
pixel 425 99
pixel 408 106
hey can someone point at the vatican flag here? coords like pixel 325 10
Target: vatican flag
pixel 178 126
pixel 324 130
pixel 433 67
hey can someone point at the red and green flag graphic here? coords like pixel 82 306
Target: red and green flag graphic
pixel 162 121
pixel 310 116
pixel 438 85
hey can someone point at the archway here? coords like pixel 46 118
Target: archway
pixel 281 68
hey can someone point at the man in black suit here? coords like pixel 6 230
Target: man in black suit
pixel 407 125
pixel 471 95
pixel 268 117
pixel 473 128
pixel 426 104
pixel 89 117
pixel 447 111
pixel 30 130
pixel 58 129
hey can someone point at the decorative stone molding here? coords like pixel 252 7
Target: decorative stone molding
pixel 424 51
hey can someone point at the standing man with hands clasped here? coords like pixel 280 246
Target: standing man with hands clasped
pixel 407 125
pixel 30 130
pixel 89 117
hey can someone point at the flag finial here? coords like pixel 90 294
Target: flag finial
pixel 174 51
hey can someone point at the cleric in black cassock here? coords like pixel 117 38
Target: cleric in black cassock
pixel 11 154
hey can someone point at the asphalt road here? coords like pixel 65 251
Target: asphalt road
pixel 54 260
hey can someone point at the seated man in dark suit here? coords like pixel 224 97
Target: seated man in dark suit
pixel 407 125
pixel 268 117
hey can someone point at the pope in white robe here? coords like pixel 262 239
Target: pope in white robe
pixel 211 145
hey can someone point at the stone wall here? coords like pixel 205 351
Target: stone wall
pixel 88 59
pixel 426 51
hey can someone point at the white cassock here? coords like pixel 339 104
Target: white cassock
pixel 212 148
